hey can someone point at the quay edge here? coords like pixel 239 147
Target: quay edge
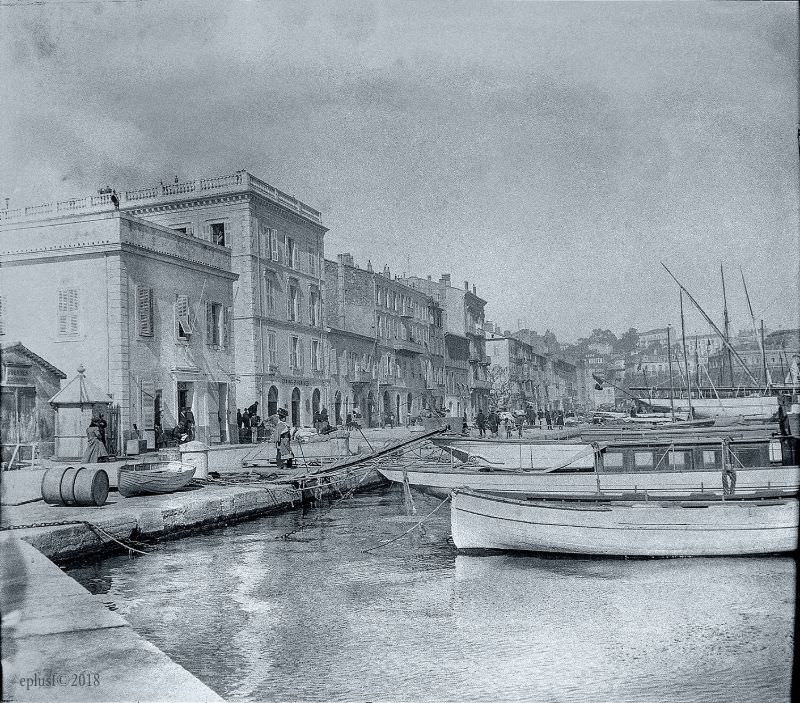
pixel 157 517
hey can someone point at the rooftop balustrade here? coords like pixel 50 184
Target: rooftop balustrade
pixel 241 181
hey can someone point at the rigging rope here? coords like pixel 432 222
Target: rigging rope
pixel 394 539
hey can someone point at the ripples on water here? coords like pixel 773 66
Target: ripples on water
pixel 313 618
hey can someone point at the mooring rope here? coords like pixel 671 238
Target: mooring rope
pixel 394 539
pixel 60 523
pixel 334 504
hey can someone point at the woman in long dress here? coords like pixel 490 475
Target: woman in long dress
pixel 94 447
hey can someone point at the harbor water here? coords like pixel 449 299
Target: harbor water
pixel 316 618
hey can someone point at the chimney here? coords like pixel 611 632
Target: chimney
pixel 445 279
pixel 345 259
pixel 369 265
pixel 429 277
pixel 466 286
pixel 474 292
pixel 386 271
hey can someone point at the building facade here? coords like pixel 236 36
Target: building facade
pixel 277 251
pixel 145 309
pixel 467 383
pixel 386 345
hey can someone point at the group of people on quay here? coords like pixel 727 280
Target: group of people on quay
pixel 253 428
pixel 494 421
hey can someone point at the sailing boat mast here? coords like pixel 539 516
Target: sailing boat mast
pixel 727 327
pixel 759 339
pixel 671 386
pixel 712 325
pixel 686 361
pixel 767 379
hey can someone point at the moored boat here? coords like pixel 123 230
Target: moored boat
pixel 624 526
pixel 669 466
pixel 153 478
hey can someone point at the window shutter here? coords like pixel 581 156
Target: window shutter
pixel 2 314
pixel 273 233
pixel 182 316
pixel 209 323
pixel 310 308
pixel 73 309
pixel 144 310
pixel 226 326
pixel 62 311
pixel 300 354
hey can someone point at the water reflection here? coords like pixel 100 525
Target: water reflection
pixel 316 618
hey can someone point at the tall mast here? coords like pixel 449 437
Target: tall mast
pixel 767 379
pixel 696 365
pixel 727 327
pixel 759 339
pixel 712 325
pixel 671 386
pixel 686 361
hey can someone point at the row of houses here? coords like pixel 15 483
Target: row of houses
pixel 214 294
pixel 527 373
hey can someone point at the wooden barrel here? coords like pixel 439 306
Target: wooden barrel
pixel 70 486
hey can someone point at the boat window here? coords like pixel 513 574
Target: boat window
pixel 711 459
pixel 749 456
pixel 677 460
pixel 775 454
pixel 643 460
pixel 613 461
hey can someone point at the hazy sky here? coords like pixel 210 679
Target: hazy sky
pixel 552 153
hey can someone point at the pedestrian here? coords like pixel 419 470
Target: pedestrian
pixel 508 425
pixel 560 419
pixel 541 418
pixel 239 418
pixel 494 423
pixel 186 423
pixel 255 423
pixel 520 420
pixel 464 425
pixel 95 449
pixel 283 441
pixel 548 418
pixel 480 421
pixel 253 409
pixel 101 426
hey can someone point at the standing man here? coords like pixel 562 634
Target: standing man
pixel 283 441
pixel 548 418
pixel 101 426
pixel 480 421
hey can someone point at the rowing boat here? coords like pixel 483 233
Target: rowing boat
pixel 625 526
pixel 155 478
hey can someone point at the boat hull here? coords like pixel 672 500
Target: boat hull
pixel 644 529
pixel 760 407
pixel 156 481
pixel 441 482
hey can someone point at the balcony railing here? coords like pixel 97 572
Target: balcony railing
pixel 235 182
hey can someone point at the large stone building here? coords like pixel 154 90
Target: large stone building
pixel 276 247
pixel 386 346
pixel 517 372
pixel 145 309
pixel 467 383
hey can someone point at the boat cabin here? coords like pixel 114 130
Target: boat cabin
pixel 692 456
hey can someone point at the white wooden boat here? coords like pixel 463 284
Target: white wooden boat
pixel 441 481
pixel 603 526
pixel 154 478
pixel 665 466
pixel 762 407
